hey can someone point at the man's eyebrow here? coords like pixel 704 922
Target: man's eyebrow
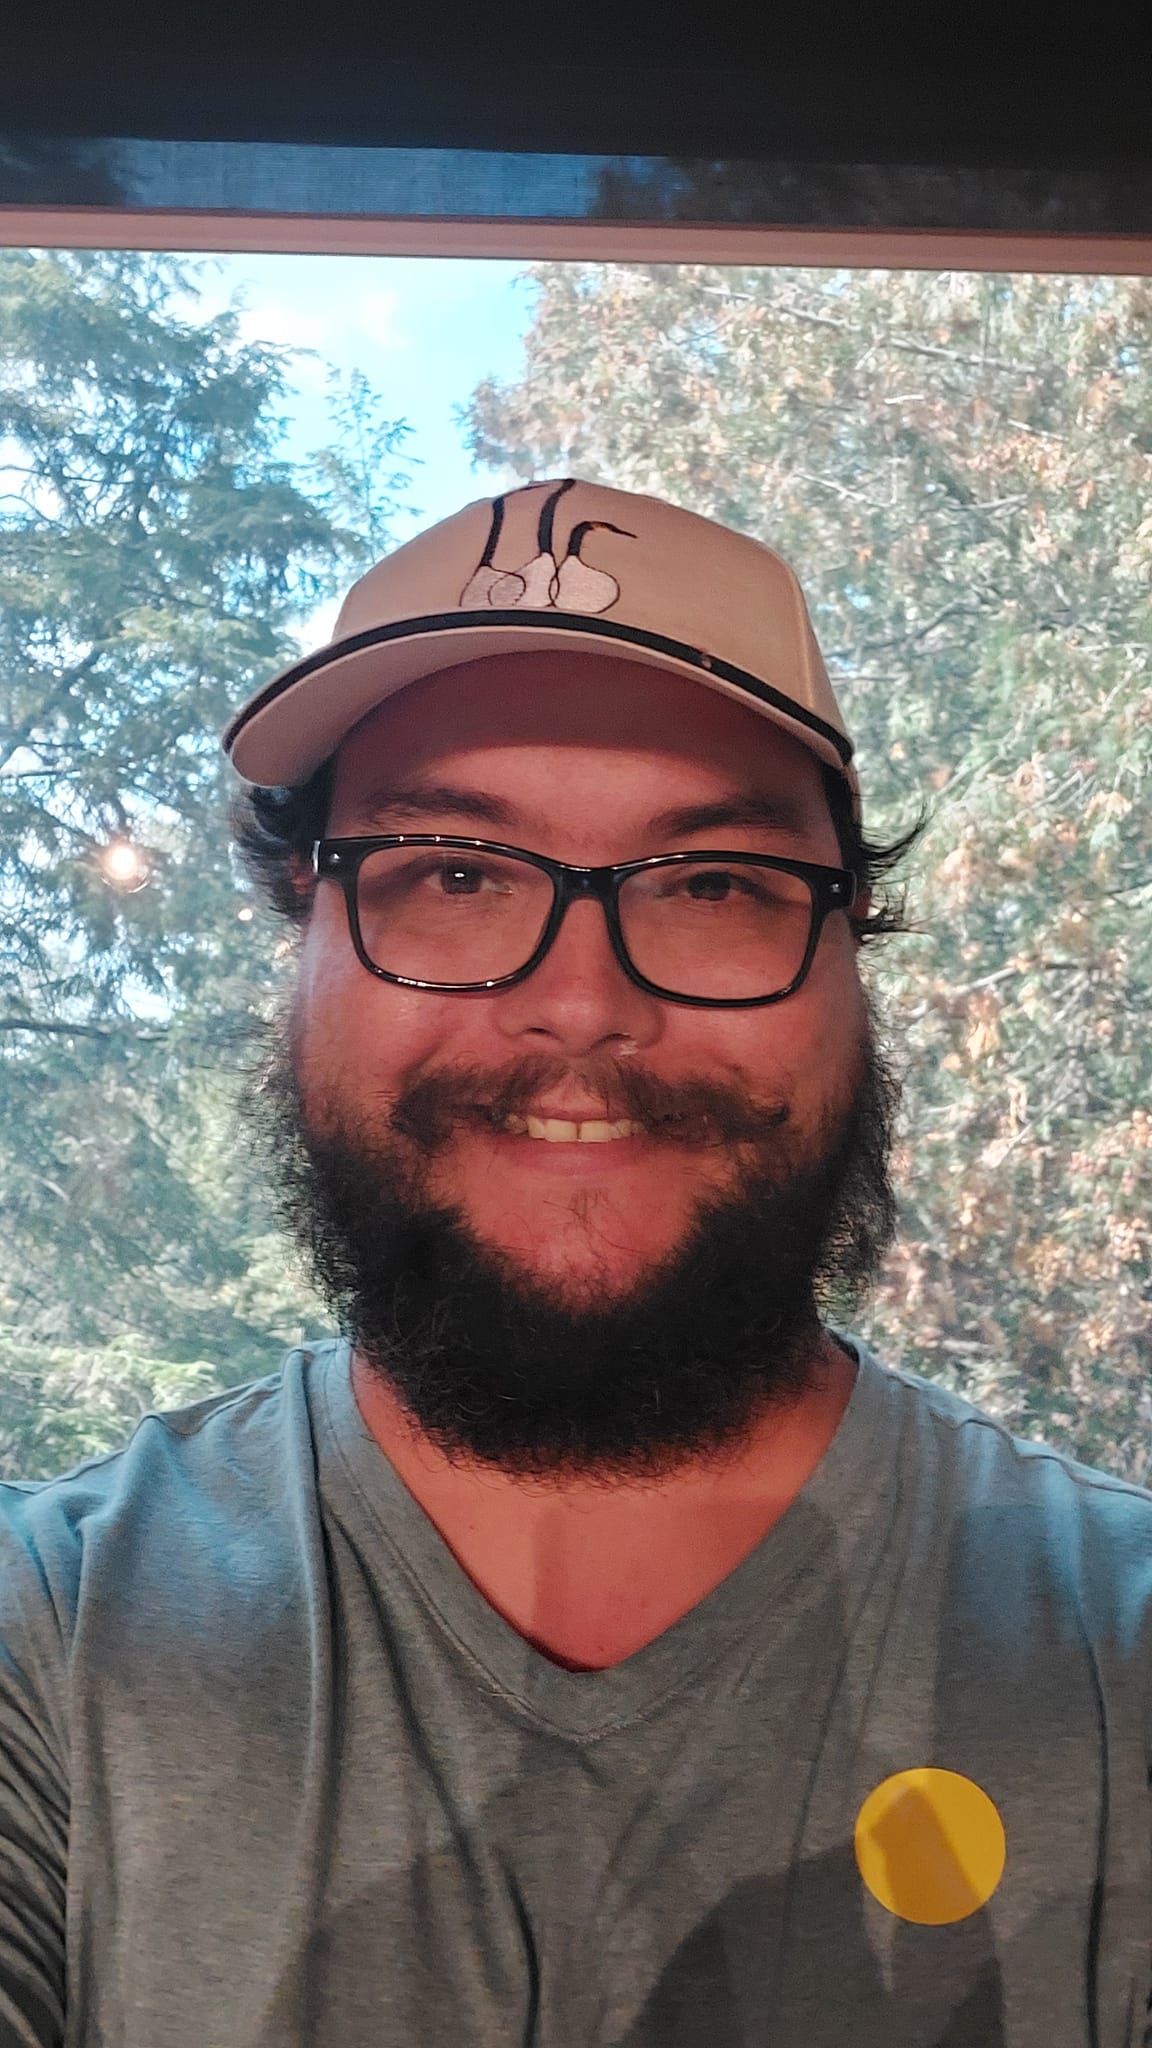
pixel 779 813
pixel 435 799
pixel 776 813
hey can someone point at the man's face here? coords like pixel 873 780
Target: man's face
pixel 584 760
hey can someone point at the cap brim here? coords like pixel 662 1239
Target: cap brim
pixel 299 719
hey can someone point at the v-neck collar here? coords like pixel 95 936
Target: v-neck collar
pixel 836 1503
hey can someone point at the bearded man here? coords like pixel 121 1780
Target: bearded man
pixel 596 1646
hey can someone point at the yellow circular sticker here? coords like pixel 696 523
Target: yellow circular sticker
pixel 930 1846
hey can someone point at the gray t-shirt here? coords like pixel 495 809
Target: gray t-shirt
pixel 273 1774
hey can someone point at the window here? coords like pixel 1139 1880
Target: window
pixel 957 462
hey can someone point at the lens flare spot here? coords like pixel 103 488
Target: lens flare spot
pixel 124 864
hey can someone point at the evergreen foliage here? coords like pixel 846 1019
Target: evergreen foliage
pixel 960 470
pixel 157 558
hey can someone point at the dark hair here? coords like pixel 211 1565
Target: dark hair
pixel 871 861
pixel 274 830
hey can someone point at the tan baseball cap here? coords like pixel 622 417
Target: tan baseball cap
pixel 556 564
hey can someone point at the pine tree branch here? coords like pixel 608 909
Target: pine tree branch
pixel 38 1024
pixel 912 636
pixel 906 346
pixel 19 735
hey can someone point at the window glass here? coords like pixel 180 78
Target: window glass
pixel 958 466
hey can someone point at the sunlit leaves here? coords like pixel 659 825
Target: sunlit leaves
pixel 960 469
pixel 158 556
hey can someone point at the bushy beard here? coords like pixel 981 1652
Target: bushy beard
pixel 497 1367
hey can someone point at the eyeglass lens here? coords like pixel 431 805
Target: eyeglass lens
pixel 696 928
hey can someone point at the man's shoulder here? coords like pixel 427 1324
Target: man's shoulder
pixel 189 1481
pixel 990 1436
pixel 980 1470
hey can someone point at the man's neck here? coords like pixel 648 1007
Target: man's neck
pixel 589 1573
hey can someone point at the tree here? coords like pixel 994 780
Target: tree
pixel 157 556
pixel 960 469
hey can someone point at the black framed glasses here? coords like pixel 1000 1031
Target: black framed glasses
pixel 460 916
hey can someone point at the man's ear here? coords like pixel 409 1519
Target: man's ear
pixel 862 906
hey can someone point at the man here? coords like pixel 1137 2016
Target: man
pixel 596 1645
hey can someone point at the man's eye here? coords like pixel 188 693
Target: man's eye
pixel 712 886
pixel 459 880
pixel 470 878
pixel 720 885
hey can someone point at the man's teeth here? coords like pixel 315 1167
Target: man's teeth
pixel 556 1131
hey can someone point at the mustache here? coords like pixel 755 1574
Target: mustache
pixel 692 1112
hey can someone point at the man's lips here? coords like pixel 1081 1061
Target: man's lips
pixel 557 1130
pixel 600 1125
pixel 636 1116
pixel 583 1148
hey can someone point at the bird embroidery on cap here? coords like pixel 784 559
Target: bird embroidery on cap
pixel 543 584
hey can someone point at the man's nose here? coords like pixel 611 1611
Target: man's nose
pixel 579 997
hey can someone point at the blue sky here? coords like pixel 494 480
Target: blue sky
pixel 424 330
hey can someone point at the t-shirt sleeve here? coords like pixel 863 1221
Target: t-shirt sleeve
pixel 33 1804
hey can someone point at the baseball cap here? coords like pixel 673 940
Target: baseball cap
pixel 556 564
